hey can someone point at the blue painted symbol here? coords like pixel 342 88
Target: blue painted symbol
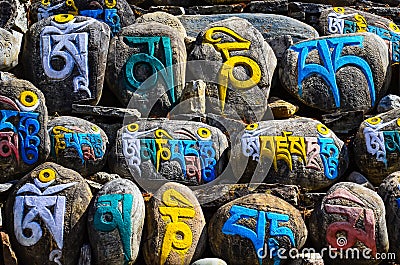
pixel 330 52
pixel 108 217
pixel 231 227
pixel 329 154
pixel 111 18
pixel 163 68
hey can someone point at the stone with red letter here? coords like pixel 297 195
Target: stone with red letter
pixel 350 218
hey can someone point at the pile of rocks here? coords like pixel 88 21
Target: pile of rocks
pixel 198 136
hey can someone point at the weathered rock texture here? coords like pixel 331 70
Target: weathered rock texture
pixel 45 215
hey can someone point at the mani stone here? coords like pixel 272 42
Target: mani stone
pixel 184 151
pixel 146 67
pixel 45 215
pixel 350 218
pixel 175 230
pixel 344 20
pixel 298 151
pixel 164 18
pixel 251 229
pixel 270 26
pixel 389 191
pixel 377 146
pixel 10 46
pixel 24 141
pixel 337 73
pixel 388 102
pixel 238 69
pixel 77 144
pixel 65 57
pixel 115 223
pixel 209 261
pixel 307 259
pixel 115 13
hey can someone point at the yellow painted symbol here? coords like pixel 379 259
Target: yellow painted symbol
pixel 47 175
pixel 398 122
pixel 322 129
pixel 374 120
pixel 163 153
pixel 133 127
pixel 361 23
pixel 226 72
pixel 339 10
pixel 178 235
pixel 95 128
pixel 46 2
pixel 28 98
pixel 252 127
pixel 59 138
pixel 394 27
pixel 204 133
pixel 71 3
pixel 110 4
pixel 63 18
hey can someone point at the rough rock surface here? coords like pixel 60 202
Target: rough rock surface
pixel 241 230
pixel 240 70
pixel 115 223
pixel 298 151
pixel 175 230
pixel 77 144
pixel 377 146
pixel 355 79
pixel 141 51
pixel 45 215
pixel 350 216
pixel 189 152
pixel 67 77
pixel 24 140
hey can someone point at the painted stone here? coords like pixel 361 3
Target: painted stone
pixel 65 57
pixel 270 26
pixel 389 191
pixel 341 72
pixel 209 261
pixel 10 46
pixel 242 76
pixel 13 15
pixel 141 51
pixel 77 144
pixel 344 20
pixel 298 151
pixel 45 215
pixel 350 217
pixel 188 152
pixel 388 102
pixel 251 229
pixel 377 146
pixel 24 141
pixel 175 230
pixel 115 223
pixel 115 13
pixel 164 18
pixel 358 178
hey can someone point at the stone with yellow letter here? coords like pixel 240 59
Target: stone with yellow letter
pixel 175 232
pixel 239 71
